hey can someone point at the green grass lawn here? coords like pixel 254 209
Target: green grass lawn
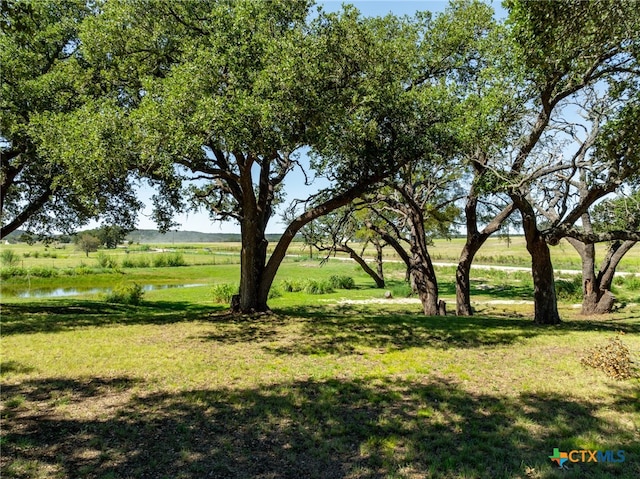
pixel 338 385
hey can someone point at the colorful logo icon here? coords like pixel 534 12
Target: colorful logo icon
pixel 559 457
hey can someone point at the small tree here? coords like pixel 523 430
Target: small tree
pixel 88 243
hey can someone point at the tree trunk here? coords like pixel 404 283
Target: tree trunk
pixel 475 240
pixel 379 267
pixel 421 266
pixel 252 263
pixel 596 287
pixel 544 292
pixel 363 264
pixel 463 279
pixel 426 286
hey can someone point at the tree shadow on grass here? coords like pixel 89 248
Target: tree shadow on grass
pixel 342 329
pixel 326 329
pixel 364 428
pixel 66 314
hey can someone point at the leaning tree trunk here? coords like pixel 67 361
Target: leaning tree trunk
pixel 379 280
pixel 472 245
pixel 379 265
pixel 421 267
pixel 544 289
pixel 463 277
pixel 269 269
pixel 615 253
pixel 363 264
pixel 475 240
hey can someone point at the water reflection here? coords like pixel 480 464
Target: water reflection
pixel 62 292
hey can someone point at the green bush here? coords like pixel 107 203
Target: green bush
pixel 569 289
pixel 222 292
pixel 176 259
pixel 631 282
pixel 342 282
pixel 128 263
pixel 83 269
pixel 318 287
pixel 11 272
pixel 9 258
pixel 140 262
pixel 173 259
pixel 43 272
pixel 292 286
pixel 143 262
pixel 106 261
pixel 401 290
pixel 275 292
pixel 126 293
pixel 159 261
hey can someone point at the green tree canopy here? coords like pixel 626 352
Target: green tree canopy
pixel 44 81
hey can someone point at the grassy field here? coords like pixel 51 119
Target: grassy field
pixel 337 385
pixel 496 251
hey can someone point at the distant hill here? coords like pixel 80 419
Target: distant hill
pixel 154 236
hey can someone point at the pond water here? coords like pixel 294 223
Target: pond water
pixel 62 292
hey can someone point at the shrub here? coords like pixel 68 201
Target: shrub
pixel 402 290
pixel 631 282
pixel 275 292
pixel 126 293
pixel 106 261
pixel 159 261
pixel 318 287
pixel 175 259
pixel 222 292
pixel 342 282
pixel 292 286
pixel 612 358
pixel 43 272
pixel 9 258
pixel 143 262
pixel 128 263
pixel 569 289
pixel 11 272
pixel 83 269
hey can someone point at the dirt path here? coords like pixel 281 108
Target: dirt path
pixel 486 266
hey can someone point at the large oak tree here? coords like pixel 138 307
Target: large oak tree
pixel 218 98
pixel 565 48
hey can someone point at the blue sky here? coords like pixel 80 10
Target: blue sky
pixel 294 183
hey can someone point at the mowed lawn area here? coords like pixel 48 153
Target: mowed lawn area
pixel 337 385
